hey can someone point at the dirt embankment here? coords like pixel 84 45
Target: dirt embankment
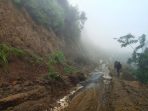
pixel 25 86
pixel 18 29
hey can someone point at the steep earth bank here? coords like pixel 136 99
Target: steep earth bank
pixel 18 29
pixel 24 85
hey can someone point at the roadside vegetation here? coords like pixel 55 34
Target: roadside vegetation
pixel 6 51
pixel 58 58
pixel 139 58
pixel 55 58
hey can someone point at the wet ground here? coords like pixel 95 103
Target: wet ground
pixel 103 93
pixel 95 94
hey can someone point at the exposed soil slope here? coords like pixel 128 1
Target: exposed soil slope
pixel 24 85
pixel 18 29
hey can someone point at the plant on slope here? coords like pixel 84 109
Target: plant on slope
pixel 57 58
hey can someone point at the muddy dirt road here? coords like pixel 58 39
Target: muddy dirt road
pixel 95 94
pixel 103 93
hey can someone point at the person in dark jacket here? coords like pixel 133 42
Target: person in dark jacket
pixel 118 67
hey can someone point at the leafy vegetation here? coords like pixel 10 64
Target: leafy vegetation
pixel 6 51
pixel 56 58
pixel 58 15
pixel 35 58
pixel 139 56
pixel 17 2
pixel 70 69
pixel 53 76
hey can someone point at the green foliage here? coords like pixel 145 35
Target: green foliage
pixel 63 18
pixel 52 75
pixel 57 58
pixel 74 22
pixel 17 2
pixel 35 58
pixel 127 40
pixel 17 52
pixel 142 71
pixel 70 69
pixel 46 12
pixel 6 51
pixel 138 58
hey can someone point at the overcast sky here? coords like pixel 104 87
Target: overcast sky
pixel 108 19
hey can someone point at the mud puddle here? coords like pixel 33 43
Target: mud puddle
pixel 90 95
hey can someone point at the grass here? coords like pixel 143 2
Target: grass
pixel 70 69
pixel 56 58
pixel 6 51
pixel 35 58
pixel 54 76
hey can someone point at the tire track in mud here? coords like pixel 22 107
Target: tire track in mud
pixel 105 103
pixel 96 96
pixel 100 93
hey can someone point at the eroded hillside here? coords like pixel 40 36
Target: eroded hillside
pixel 34 71
pixel 18 29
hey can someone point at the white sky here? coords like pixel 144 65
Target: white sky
pixel 108 19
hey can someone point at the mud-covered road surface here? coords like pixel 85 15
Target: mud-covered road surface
pixel 95 95
pixel 103 93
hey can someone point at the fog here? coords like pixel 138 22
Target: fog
pixel 108 19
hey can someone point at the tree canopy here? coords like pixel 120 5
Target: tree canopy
pixel 58 15
pixel 139 56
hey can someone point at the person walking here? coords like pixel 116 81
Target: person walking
pixel 117 67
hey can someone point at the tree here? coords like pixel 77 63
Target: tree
pixel 57 15
pixel 139 56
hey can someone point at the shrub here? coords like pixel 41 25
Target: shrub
pixel 45 12
pixel 4 53
pixel 70 69
pixel 57 58
pixel 57 15
pixel 17 52
pixel 54 76
pixel 35 58
pixel 17 3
